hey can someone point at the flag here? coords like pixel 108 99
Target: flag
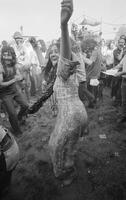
pixel 90 22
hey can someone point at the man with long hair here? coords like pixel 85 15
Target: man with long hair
pixel 9 76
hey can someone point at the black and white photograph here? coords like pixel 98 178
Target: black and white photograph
pixel 62 100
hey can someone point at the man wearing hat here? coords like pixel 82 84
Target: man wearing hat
pixel 23 63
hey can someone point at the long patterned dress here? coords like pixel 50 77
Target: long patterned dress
pixel 71 119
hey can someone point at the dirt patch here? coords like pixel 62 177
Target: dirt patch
pixel 101 163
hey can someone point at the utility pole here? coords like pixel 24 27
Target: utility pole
pixel 21 29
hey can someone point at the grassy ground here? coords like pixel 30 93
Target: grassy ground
pixel 101 162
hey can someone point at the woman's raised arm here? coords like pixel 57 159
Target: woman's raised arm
pixel 66 13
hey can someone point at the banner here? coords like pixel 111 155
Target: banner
pixel 90 22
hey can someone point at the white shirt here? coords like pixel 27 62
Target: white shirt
pixel 109 57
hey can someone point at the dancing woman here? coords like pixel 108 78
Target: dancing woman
pixel 72 116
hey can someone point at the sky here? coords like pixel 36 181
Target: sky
pixel 42 17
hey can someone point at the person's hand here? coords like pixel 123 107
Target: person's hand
pixel 26 68
pixel 116 67
pixel 66 11
pixel 117 74
pixel 84 55
pixel 44 83
pixel 121 52
pixel 18 77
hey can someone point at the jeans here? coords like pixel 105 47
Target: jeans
pixel 8 101
pixel 116 89
pixel 123 90
pixel 94 91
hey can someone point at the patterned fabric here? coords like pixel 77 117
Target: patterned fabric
pixel 53 104
pixel 50 77
pixel 11 149
pixel 71 119
pixel 39 103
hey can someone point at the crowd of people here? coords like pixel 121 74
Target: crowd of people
pixel 117 56
pixel 76 73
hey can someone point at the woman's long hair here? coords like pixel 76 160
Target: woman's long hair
pixel 50 70
pixel 43 45
pixel 11 52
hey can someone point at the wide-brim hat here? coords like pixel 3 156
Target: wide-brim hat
pixel 17 35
